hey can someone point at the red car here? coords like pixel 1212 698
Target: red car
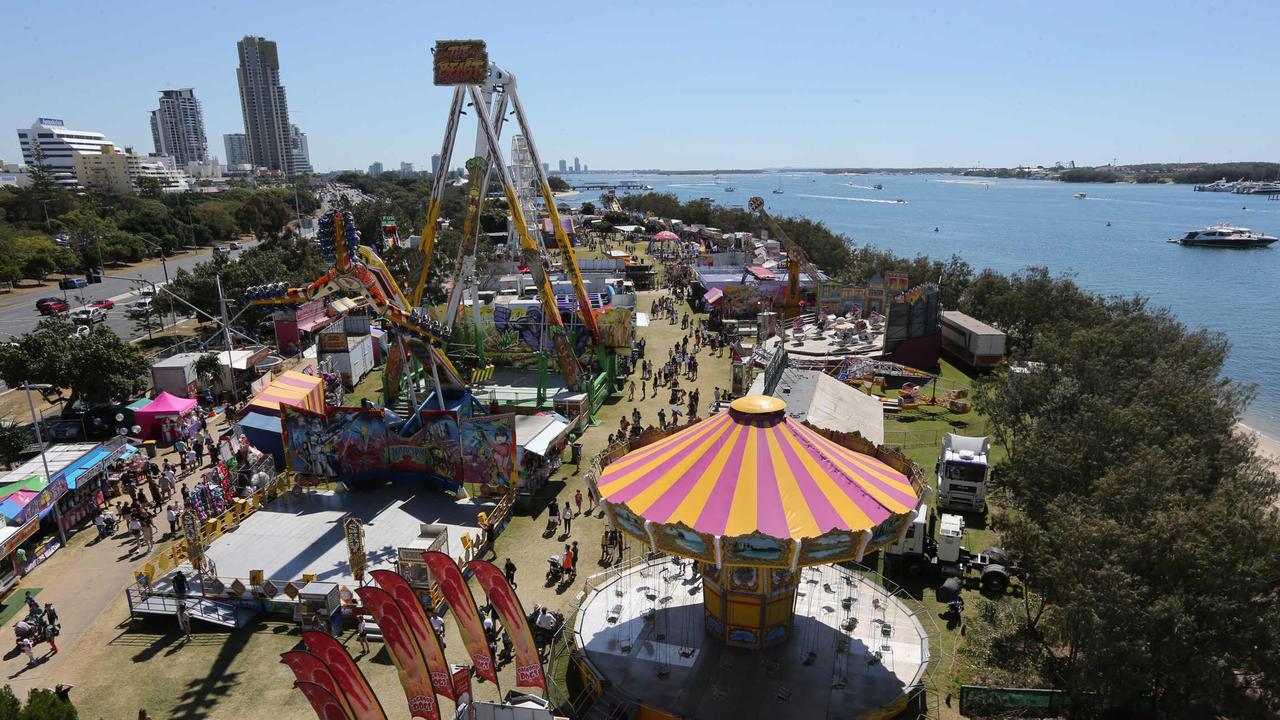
pixel 103 303
pixel 51 306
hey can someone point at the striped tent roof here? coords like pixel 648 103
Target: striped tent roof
pixel 752 469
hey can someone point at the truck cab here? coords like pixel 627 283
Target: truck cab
pixel 963 469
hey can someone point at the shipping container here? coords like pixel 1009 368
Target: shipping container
pixel 972 341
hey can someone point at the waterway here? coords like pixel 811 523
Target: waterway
pixel 1113 241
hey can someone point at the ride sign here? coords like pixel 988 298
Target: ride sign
pixel 461 62
pixel 354 532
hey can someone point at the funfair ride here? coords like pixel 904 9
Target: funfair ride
pixel 796 259
pixel 489 97
pixel 358 270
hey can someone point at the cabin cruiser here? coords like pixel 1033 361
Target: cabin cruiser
pixel 1225 236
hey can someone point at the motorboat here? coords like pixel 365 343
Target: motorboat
pixel 877 186
pixel 1080 196
pixel 729 188
pixel 1227 236
pixel 778 190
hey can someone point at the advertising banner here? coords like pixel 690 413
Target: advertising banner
pixel 461 62
pixel 489 453
pixel 458 595
pixel 462 681
pixel 416 617
pixel 310 668
pixel 356 557
pixel 440 439
pixel 359 696
pixel 322 701
pixel 528 665
pixel 409 662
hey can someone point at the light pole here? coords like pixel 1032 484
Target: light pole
pixel 165 266
pixel 48 477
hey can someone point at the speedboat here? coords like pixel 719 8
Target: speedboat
pixel 729 188
pixel 1227 236
pixel 1080 196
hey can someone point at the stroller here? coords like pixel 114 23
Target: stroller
pixel 555 571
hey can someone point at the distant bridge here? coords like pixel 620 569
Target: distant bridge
pixel 624 185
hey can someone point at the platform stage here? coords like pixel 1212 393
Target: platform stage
pixel 643 630
pixel 303 534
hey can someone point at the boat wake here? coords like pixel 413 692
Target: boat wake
pixel 701 184
pixel 860 187
pixel 853 199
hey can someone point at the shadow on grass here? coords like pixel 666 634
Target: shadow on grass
pixel 202 694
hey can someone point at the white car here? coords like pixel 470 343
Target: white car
pixel 235 246
pixel 142 306
pixel 88 315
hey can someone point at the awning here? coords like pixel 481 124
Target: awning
pixel 291 388
pixel 761 272
pixel 713 295
pixel 314 323
pixel 542 442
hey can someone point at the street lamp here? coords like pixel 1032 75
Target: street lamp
pixel 163 265
pixel 48 477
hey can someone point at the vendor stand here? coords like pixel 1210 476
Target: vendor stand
pixel 168 417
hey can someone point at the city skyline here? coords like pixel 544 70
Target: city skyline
pixel 998 85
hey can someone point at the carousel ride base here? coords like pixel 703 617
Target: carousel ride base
pixel 298 534
pixel 854 647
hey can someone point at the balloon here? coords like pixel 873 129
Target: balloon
pixel 136 429
pixel 119 417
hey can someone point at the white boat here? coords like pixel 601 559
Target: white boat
pixel 729 188
pixel 778 190
pixel 1080 196
pixel 1227 236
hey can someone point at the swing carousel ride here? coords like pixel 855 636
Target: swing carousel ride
pixel 759 508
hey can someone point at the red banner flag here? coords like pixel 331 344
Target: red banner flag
pixel 503 598
pixel 322 701
pixel 359 696
pixel 309 668
pixel 404 651
pixel 425 635
pixel 458 595
pixel 462 682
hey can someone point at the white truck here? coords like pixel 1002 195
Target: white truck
pixel 919 552
pixel 963 470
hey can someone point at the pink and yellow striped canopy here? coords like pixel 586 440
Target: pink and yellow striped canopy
pixel 742 472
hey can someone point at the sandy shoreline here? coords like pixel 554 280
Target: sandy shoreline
pixel 1268 447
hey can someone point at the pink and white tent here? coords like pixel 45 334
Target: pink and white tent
pixel 165 405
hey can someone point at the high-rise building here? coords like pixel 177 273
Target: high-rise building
pixel 406 169
pixel 577 167
pixel 435 164
pixel 584 168
pixel 546 168
pixel 301 153
pixel 263 103
pixel 237 146
pixel 177 127
pixel 58 147
pixel 564 166
pixel 120 173
pixel 375 169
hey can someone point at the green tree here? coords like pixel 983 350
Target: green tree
pixel 207 368
pixel 13 438
pixel 45 705
pixel 558 184
pixel 1143 515
pixel 218 218
pixel 264 215
pixel 98 368
pixel 10 705
pixel 588 208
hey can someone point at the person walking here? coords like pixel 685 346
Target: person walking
pixel 362 634
pixel 567 515
pixel 553 515
pixel 631 390
pixel 28 647
pixel 50 635
pixel 577 500
pixel 180 584
pixel 184 620
pixel 51 616
pixel 180 447
pixel 197 444
pixel 509 570
pixel 135 529
pixel 171 514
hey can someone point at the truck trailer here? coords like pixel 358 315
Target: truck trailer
pixel 972 341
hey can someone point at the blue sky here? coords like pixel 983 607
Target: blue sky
pixel 688 84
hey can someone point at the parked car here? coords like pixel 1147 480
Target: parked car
pixel 51 305
pixel 235 246
pixel 72 283
pixel 89 315
pixel 103 303
pixel 222 251
pixel 142 306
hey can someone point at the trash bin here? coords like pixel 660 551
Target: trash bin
pixel 150 447
pixel 575 453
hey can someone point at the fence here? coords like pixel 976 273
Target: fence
pixel 931 437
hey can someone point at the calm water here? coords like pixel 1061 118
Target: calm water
pixel 1008 224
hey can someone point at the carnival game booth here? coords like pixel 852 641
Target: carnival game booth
pixel 764 506
pixel 168 417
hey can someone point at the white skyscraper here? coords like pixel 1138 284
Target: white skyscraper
pixel 301 153
pixel 58 147
pixel 406 169
pixel 177 127
pixel 577 167
pixel 262 101
pixel 375 169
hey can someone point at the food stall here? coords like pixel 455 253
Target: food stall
pixel 168 417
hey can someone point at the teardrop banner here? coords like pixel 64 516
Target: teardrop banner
pixel 458 595
pixel 416 616
pixel 409 662
pixel 360 698
pixel 529 671
pixel 308 667
pixel 327 706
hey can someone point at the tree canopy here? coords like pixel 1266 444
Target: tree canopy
pixel 98 367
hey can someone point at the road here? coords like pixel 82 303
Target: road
pixel 18 314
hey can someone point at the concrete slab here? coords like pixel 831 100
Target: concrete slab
pixel 839 663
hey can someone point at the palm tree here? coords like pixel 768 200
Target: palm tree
pixel 13 438
pixel 207 368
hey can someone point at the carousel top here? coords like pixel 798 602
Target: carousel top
pixel 751 470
